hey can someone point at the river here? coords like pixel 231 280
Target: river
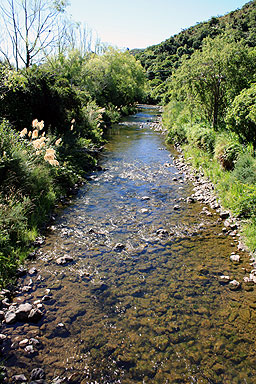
pixel 141 302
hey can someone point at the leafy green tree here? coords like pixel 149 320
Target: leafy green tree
pixel 210 79
pixel 114 77
pixel 241 117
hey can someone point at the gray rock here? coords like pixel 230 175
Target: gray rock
pixel 119 247
pixel 23 311
pixel 35 315
pixel 224 279
pixel 235 258
pixel 19 379
pixel 190 199
pixel 64 260
pixel 29 349
pixel 2 337
pixel 234 285
pixel 10 317
pixel 145 198
pixel 37 374
pixel 176 207
pixel 32 271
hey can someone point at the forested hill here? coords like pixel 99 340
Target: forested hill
pixel 159 60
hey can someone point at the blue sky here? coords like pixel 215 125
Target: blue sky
pixel 141 23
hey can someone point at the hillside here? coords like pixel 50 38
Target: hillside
pixel 159 60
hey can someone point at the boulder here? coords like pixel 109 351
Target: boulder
pixel 23 311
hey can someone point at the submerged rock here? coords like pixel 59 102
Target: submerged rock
pixel 234 285
pixel 235 258
pixel 224 279
pixel 64 260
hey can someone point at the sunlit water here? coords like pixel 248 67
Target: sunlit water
pixel 150 309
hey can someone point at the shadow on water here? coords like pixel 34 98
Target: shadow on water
pixel 141 302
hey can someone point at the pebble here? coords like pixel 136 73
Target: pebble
pixel 234 285
pixel 19 379
pixel 235 258
pixel 64 260
pixel 144 210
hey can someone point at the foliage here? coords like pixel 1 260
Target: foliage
pixel 227 150
pixel 114 77
pixel 241 117
pixel 160 60
pixel 210 78
pixel 245 168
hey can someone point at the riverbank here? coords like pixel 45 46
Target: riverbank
pixel 134 273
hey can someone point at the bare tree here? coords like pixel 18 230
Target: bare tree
pixel 31 29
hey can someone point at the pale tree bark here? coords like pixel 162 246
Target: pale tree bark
pixel 31 28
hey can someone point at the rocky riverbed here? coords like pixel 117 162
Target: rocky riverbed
pixel 142 278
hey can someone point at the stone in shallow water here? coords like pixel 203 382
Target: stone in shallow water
pixel 224 279
pixel 19 379
pixel 235 258
pixel 145 198
pixel 10 317
pixel 64 260
pixel 23 311
pixel 234 285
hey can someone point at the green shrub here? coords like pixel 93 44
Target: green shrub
pixel 227 149
pixel 245 169
pixel 241 116
pixel 202 136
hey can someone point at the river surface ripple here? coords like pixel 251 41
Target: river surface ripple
pixel 141 302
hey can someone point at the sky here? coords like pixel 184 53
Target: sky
pixel 141 23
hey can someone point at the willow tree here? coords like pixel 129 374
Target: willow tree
pixel 210 79
pixel 31 29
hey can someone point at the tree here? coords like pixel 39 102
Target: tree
pixel 114 77
pixel 31 28
pixel 241 116
pixel 210 79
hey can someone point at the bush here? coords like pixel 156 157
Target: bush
pixel 227 149
pixel 241 116
pixel 245 169
pixel 202 136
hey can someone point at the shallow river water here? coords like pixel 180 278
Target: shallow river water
pixel 142 301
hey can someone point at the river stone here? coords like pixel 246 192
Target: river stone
pixel 224 279
pixel 176 207
pixel 64 260
pixel 224 215
pixel 23 311
pixel 235 258
pixel 35 315
pixel 23 343
pixel 119 247
pixel 10 317
pixel 234 285
pixel 19 379
pixel 32 271
pixel 1 315
pixel 144 210
pixel 37 374
pixel 190 199
pixel 145 198
pixel 2 337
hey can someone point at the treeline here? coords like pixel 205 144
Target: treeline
pixel 206 78
pixel 160 60
pixel 53 118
